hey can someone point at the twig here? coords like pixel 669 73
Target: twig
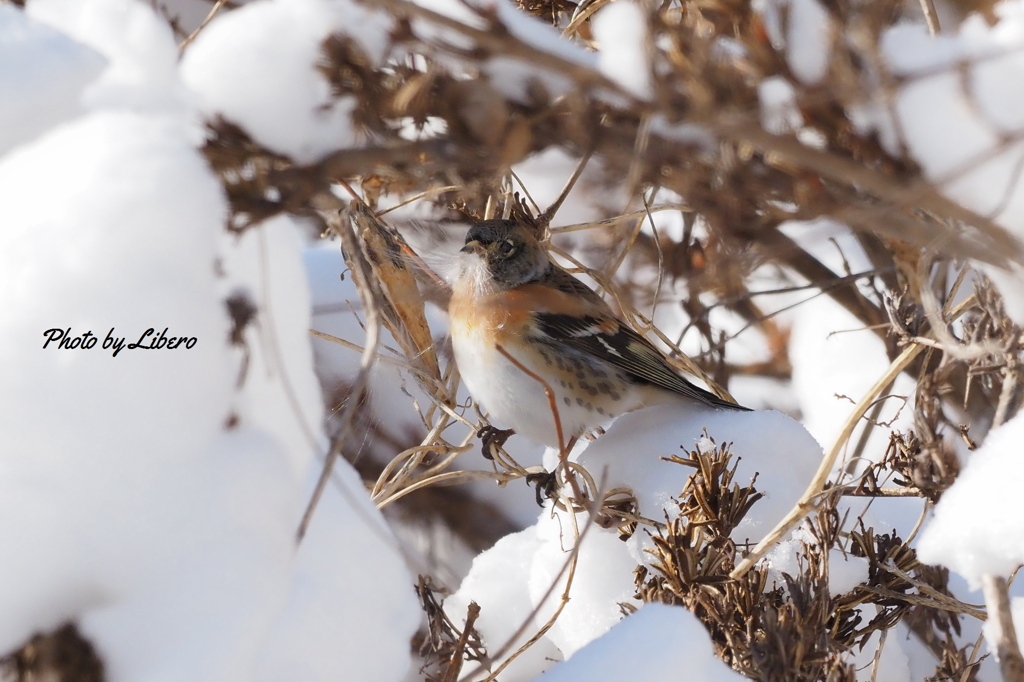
pixel 381 357
pixel 1005 395
pixel 809 500
pixel 935 599
pixel 425 194
pixel 209 17
pixel 545 218
pixel 1001 628
pixel 583 12
pixel 615 220
pixel 361 276
pixel 455 661
pixel 931 17
pixel 857 491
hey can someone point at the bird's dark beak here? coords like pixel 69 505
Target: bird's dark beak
pixel 473 247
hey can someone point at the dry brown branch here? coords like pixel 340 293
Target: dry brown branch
pixel 217 6
pixel 363 277
pixel 1001 628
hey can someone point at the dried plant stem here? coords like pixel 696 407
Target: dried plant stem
pixel 455 661
pixel 809 500
pixel 209 17
pixel 425 194
pixel 625 217
pixel 1001 628
pixel 966 675
pixel 361 275
pixel 1009 386
pixel 854 491
pixel 406 462
pixel 877 659
pixel 545 217
pixel 450 478
pixel 386 359
pixel 583 12
pixel 931 16
pixel 938 604
pixel 932 598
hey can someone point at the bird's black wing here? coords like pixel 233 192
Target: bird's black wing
pixel 611 341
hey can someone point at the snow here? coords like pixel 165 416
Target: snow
pixel 538 34
pixel 499 583
pixel 845 572
pixel 810 40
pixel 645 646
pixel 153 496
pixel 603 579
pixel 42 75
pixel 529 563
pixel 256 67
pixel 802 30
pixel 779 113
pixel 282 394
pixel 630 453
pixel 978 526
pixel 141 72
pixel 514 77
pixel 835 359
pixel 620 30
pixel 108 519
pixel 339 622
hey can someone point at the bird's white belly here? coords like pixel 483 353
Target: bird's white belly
pixel 515 399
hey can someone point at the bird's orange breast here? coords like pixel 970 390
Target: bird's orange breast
pixel 499 315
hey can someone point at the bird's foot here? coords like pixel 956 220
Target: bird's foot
pixel 491 437
pixel 547 485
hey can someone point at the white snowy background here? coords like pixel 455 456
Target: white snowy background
pixel 153 497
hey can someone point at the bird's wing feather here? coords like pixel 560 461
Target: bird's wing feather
pixel 609 340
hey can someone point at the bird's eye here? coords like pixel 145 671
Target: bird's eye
pixel 507 248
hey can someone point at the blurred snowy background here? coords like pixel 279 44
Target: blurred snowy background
pixel 821 203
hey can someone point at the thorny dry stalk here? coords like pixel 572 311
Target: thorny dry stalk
pixel 732 184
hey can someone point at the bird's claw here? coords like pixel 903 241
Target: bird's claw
pixel 491 437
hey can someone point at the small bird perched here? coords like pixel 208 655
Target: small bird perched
pixel 520 323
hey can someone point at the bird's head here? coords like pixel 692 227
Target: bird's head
pixel 503 254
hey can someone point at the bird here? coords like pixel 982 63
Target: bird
pixel 531 341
